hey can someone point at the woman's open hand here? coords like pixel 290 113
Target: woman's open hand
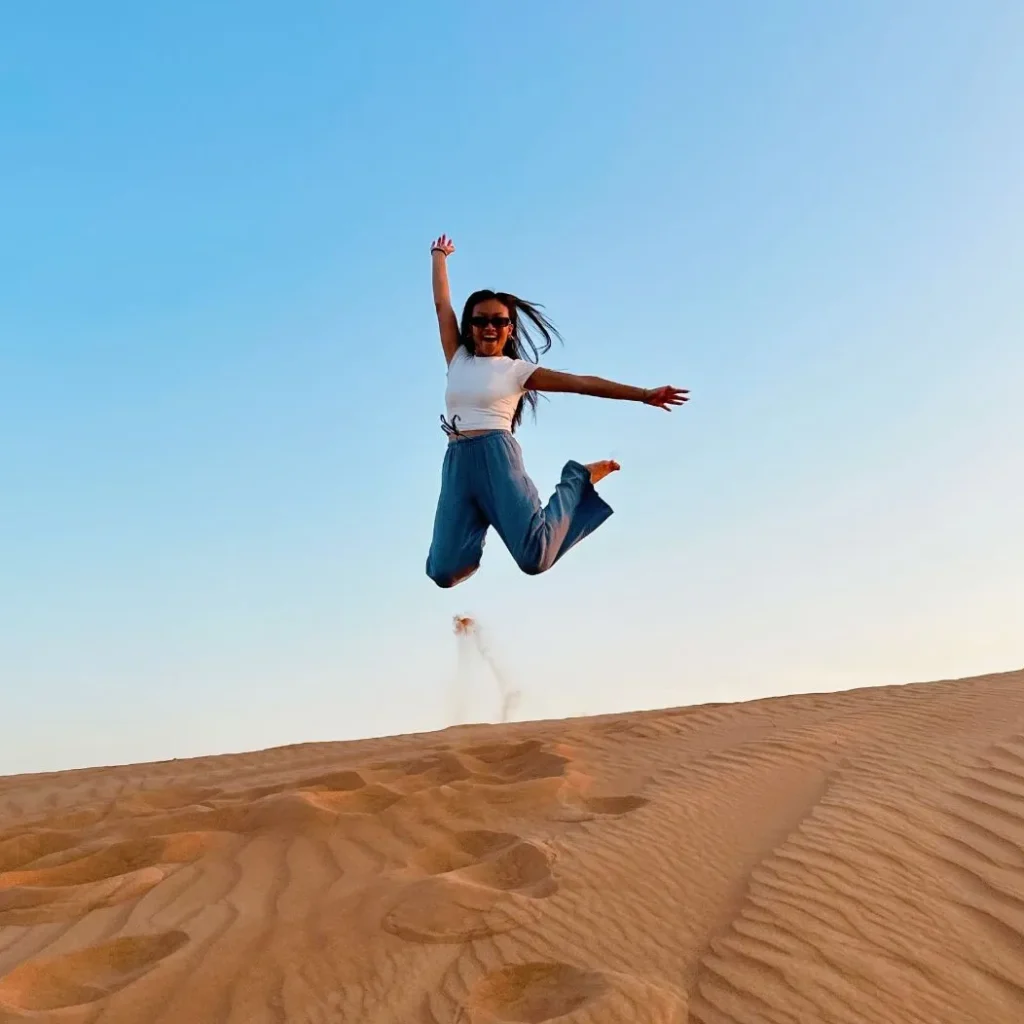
pixel 666 397
pixel 443 245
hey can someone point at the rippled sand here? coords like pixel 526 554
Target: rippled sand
pixel 854 857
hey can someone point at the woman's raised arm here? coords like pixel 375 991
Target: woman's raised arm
pixel 447 322
pixel 665 397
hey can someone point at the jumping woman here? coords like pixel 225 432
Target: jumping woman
pixel 492 374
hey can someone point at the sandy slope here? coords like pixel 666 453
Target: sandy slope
pixel 849 858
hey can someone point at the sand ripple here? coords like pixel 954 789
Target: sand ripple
pixel 852 858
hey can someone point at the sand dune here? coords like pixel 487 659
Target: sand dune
pixel 849 858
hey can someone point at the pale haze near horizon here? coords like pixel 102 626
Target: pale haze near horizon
pixel 221 378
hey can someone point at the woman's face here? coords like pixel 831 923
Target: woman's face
pixel 491 327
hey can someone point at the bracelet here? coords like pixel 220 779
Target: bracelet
pixel 437 248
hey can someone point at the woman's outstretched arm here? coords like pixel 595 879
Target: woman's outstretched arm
pixel 665 397
pixel 447 322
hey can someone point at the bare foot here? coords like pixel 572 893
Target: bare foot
pixel 599 470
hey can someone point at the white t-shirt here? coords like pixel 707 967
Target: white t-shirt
pixel 483 391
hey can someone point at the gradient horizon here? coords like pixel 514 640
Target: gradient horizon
pixel 221 376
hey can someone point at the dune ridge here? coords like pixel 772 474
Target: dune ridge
pixel 852 858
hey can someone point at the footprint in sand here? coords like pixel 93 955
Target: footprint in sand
pixel 94 862
pixel 68 882
pixel 494 764
pixel 159 801
pixel 495 860
pixel 530 778
pixel 25 906
pixel 613 805
pixel 463 849
pixel 509 763
pixel 27 847
pixel 76 979
pixel 533 993
pixel 345 781
pixel 522 779
pixel 483 883
pixel 302 805
pixel 303 809
pixel 437 768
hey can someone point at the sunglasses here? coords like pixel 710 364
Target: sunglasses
pixel 481 322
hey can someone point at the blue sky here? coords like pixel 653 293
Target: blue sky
pixel 220 378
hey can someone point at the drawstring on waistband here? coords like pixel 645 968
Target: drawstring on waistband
pixel 451 429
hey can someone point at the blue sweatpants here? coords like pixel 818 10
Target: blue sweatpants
pixel 484 483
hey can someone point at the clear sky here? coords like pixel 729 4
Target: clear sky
pixel 220 377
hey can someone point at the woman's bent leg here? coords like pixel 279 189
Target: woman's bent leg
pixel 459 526
pixel 537 536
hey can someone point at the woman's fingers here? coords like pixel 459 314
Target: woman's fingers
pixel 668 396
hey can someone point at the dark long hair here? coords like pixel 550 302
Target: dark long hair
pixel 521 343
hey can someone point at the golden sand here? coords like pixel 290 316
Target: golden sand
pixel 850 858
